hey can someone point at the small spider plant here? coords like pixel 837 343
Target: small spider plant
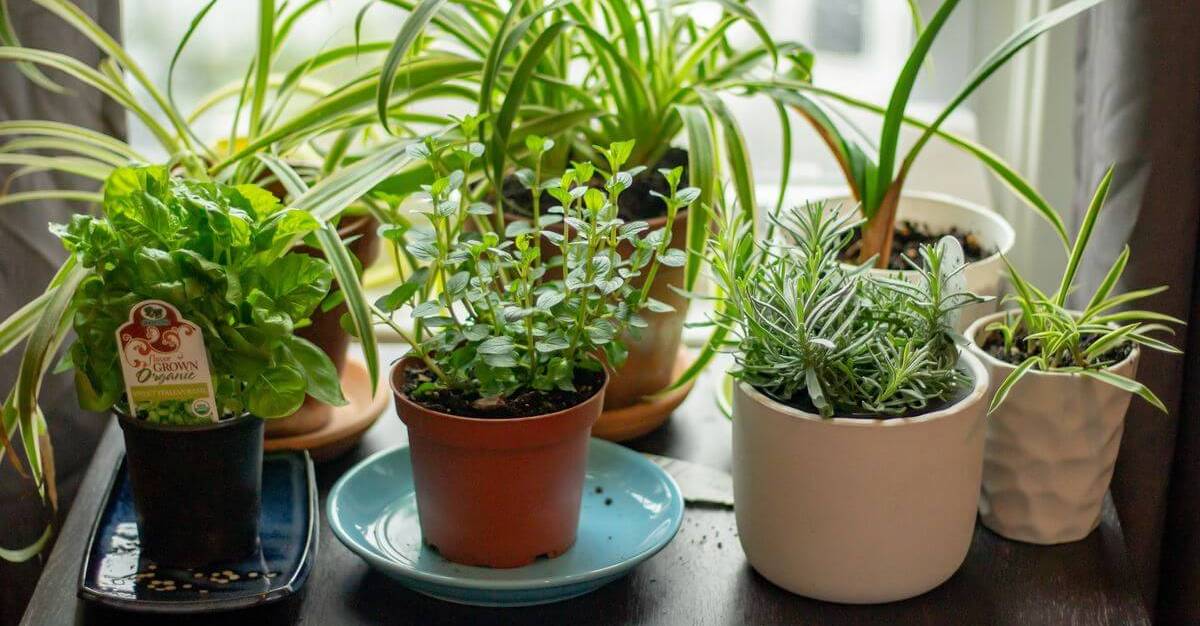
pixel 1087 342
pixel 810 331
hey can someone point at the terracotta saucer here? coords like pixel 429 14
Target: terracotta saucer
pixel 349 422
pixel 636 420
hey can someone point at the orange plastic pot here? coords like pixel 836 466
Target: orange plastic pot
pixel 497 492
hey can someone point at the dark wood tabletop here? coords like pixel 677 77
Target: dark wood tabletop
pixel 702 577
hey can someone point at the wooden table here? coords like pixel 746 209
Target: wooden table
pixel 702 577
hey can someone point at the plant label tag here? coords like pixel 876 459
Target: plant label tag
pixel 165 365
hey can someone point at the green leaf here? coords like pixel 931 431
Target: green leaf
pixel 1126 384
pixel 890 137
pixel 276 392
pixel 321 376
pixel 297 283
pixel 357 308
pixel 412 27
pixel 1012 379
pixel 702 174
pixel 1082 238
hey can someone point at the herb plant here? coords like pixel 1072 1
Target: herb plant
pixel 810 331
pixel 514 314
pixel 220 255
pixel 1042 334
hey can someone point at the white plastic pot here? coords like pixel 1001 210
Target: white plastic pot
pixel 857 510
pixel 984 277
pixel 1051 448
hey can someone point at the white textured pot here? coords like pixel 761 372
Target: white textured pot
pixel 857 510
pixel 984 277
pixel 1050 449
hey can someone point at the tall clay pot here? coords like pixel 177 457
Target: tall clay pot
pixel 197 489
pixel 326 330
pixel 497 492
pixel 1051 448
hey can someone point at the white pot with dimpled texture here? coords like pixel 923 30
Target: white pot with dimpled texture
pixel 857 510
pixel 1051 447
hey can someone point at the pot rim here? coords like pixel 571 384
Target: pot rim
pixel 980 324
pixel 127 419
pixel 1008 236
pixel 403 397
pixel 982 384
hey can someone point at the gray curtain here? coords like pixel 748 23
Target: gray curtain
pixel 1139 109
pixel 29 256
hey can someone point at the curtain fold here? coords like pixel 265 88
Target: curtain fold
pixel 1138 108
pixel 29 256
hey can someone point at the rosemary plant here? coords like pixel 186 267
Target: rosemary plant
pixel 1042 334
pixel 514 314
pixel 812 332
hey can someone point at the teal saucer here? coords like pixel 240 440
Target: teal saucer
pixel 631 510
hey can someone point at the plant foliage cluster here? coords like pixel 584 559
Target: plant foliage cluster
pixel 219 254
pixel 531 307
pixel 1043 334
pixel 810 331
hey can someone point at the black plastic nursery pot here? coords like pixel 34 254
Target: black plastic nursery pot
pixel 197 489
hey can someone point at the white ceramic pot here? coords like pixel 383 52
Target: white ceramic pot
pixel 984 277
pixel 1050 449
pixel 857 510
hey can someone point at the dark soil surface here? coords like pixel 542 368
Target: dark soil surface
pixel 804 403
pixel 993 344
pixel 636 203
pixel 523 404
pixel 908 239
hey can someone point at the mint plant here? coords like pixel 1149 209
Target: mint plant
pixel 534 306
pixel 837 340
pixel 220 255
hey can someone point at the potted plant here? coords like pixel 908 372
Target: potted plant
pixel 658 76
pixel 284 117
pixel 897 221
pixel 184 297
pixel 857 423
pixel 1063 380
pixel 500 391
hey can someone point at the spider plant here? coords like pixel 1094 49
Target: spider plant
pixel 876 173
pixel 593 72
pixel 1043 335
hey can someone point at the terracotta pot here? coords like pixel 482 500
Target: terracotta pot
pixel 197 489
pixel 985 276
pixel 650 366
pixel 326 330
pixel 857 510
pixel 497 492
pixel 1051 448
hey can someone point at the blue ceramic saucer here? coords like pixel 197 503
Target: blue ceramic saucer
pixel 631 510
pixel 115 574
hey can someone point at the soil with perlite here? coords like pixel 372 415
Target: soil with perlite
pixel 993 344
pixel 529 403
pixel 910 236
pixel 635 203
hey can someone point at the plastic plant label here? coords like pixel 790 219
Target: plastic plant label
pixel 165 365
